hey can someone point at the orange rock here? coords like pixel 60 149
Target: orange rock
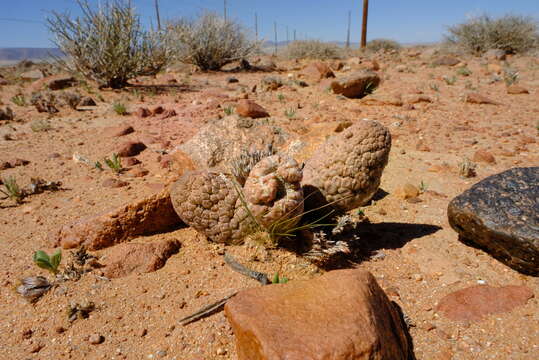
pixel 475 98
pixel 248 108
pixel 476 302
pixel 150 215
pixel 127 258
pixel 343 314
pixel 516 89
pixel 484 156
pixel 408 191
pixel 317 71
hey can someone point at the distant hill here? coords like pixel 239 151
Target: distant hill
pixel 17 54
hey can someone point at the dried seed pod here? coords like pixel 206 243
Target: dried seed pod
pixel 34 287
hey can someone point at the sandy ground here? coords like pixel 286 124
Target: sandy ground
pixel 417 257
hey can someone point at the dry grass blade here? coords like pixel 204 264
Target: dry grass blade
pixel 206 311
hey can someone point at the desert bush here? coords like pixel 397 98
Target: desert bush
pixel 383 44
pixel 108 45
pixel 510 33
pixel 312 49
pixel 210 42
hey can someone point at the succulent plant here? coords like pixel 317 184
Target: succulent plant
pixel 225 211
pixel 346 170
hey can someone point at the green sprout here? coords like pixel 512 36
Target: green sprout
pixel 114 163
pixel 12 191
pixel 279 280
pixel 229 110
pixel 423 186
pixel 19 100
pixel 98 166
pixel 450 80
pixel 119 108
pixel 281 98
pixel 434 87
pixel 290 113
pixel 50 263
pixel 464 71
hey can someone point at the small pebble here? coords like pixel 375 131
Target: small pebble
pixel 221 351
pixel 96 339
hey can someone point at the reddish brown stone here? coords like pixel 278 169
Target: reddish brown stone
pixel 158 110
pixel 343 314
pixel 19 162
pixel 5 165
pixel 122 130
pixel 132 161
pixel 143 112
pixel 128 258
pixel 248 108
pixel 356 85
pixel 149 215
pixel 484 156
pixel 516 90
pixel 476 302
pixel 138 172
pixel 168 114
pixel 130 148
pixel 59 82
pixel 447 60
pixel 317 71
pixel 475 98
pixel 114 183
pixel 417 98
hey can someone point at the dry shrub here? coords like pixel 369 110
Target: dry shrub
pixel 313 49
pixel 108 45
pixel 510 33
pixel 210 42
pixel 383 44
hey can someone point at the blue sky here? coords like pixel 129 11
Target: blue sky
pixel 403 20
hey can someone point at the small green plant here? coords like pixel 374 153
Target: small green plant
pixel 229 110
pixel 40 125
pixel 423 186
pixel 464 71
pixel 114 163
pixel 47 262
pixel 281 98
pixel 450 80
pixel 279 280
pixel 510 76
pixel 98 166
pixel 119 108
pixel 290 113
pixel 435 87
pixel 360 212
pixel 12 189
pixel 19 100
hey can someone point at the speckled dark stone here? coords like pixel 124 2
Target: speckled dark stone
pixel 500 215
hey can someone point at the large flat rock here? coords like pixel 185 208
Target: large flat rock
pixel 343 314
pixel 500 215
